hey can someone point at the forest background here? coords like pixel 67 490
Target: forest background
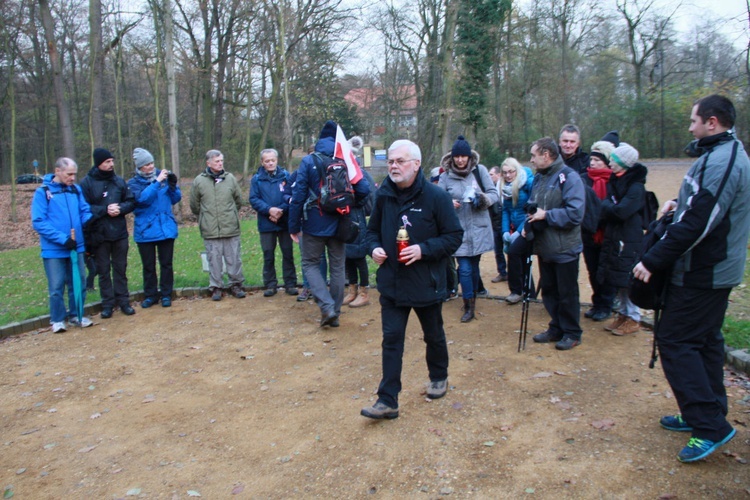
pixel 179 77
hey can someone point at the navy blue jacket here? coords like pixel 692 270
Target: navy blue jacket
pixel 432 223
pixel 308 218
pixel 266 192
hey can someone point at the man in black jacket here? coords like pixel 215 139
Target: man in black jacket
pixel 570 148
pixel 415 277
pixel 110 201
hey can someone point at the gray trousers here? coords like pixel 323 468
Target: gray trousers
pixel 229 249
pixel 329 298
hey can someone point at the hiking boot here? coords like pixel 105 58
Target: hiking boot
pixel 546 337
pixel 127 310
pixel 291 290
pixel 616 323
pixel 329 319
pixel 499 278
pixel 567 343
pixel 601 315
pixel 437 389
pixel 379 411
pixel 303 295
pixel 166 301
pixel 84 323
pixel 362 298
pixel 216 294
pixel 351 294
pixel 697 448
pixel 58 327
pixel 590 313
pixel 468 310
pixel 452 294
pixel 675 423
pixel 628 327
pixel 513 298
pixel 483 293
pixel 237 291
pixel 269 292
pixel 147 302
pixel 106 313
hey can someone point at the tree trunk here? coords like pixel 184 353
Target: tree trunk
pixel 174 144
pixel 97 69
pixel 447 71
pixel 63 112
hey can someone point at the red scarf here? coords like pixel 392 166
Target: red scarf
pixel 600 178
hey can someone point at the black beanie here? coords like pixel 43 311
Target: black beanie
pixel 461 147
pixel 612 136
pixel 101 155
pixel 329 130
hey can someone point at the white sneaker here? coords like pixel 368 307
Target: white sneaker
pixel 58 327
pixel 85 322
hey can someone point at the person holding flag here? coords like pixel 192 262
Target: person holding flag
pixel 58 213
pixel 319 227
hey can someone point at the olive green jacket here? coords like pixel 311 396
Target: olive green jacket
pixel 216 202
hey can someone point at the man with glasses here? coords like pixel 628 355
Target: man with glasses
pixel 412 278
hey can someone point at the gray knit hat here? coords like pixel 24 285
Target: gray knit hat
pixel 142 157
pixel 624 155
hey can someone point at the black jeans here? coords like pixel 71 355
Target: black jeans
pixel 497 233
pixel 357 266
pixel 559 283
pixel 268 245
pixel 692 356
pixel 113 255
pixel 603 295
pixel 517 253
pixel 394 319
pixel 148 253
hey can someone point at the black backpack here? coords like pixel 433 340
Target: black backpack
pixel 336 191
pixel 649 210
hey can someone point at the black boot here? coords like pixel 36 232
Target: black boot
pixel 468 310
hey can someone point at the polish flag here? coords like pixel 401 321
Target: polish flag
pixel 343 151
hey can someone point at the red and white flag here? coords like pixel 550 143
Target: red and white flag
pixel 343 151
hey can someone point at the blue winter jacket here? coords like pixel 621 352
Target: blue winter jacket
pixel 266 192
pixel 55 210
pixel 154 220
pixel 516 215
pixel 310 219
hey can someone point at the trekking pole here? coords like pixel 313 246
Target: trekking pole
pixel 525 303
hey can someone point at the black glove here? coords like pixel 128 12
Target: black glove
pixel 70 244
pixel 172 180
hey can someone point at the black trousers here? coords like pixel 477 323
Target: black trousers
pixel 356 267
pixel 111 266
pixel 559 284
pixel 148 251
pixel 692 355
pixel 395 319
pixel 517 252
pixel 268 245
pixel 603 295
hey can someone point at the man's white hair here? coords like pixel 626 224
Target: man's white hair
pixel 414 151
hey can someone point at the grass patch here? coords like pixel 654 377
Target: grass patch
pixel 736 332
pixel 23 284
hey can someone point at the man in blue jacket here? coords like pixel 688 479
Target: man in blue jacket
pixel 58 213
pixel 415 278
pixel 707 244
pixel 268 200
pixel 319 229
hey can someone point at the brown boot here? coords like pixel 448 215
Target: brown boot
pixel 351 294
pixel 362 298
pixel 616 323
pixel 468 310
pixel 628 327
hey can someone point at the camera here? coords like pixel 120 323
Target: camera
pixel 531 227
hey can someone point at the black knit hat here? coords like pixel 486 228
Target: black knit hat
pixel 329 130
pixel 612 136
pixel 101 155
pixel 461 147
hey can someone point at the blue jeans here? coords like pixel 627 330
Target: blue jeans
pixel 468 275
pixel 59 275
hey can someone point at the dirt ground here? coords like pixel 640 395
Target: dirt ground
pixel 250 398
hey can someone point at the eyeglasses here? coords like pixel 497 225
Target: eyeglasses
pixel 508 172
pixel 400 162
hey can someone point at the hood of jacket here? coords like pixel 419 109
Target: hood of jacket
pixel 325 145
pixel 449 166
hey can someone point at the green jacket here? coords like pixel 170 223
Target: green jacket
pixel 216 202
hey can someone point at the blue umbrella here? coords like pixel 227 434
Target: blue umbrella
pixel 77 289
